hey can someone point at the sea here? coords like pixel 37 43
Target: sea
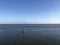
pixel 29 34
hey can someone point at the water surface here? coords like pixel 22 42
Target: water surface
pixel 35 34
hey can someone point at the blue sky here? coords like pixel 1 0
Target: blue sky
pixel 29 11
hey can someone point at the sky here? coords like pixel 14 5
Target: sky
pixel 29 11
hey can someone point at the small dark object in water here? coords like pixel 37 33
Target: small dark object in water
pixel 23 31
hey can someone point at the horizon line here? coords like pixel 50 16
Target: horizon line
pixel 30 23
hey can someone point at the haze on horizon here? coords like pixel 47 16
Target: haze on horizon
pixel 29 11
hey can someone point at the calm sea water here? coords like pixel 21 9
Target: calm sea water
pixel 35 34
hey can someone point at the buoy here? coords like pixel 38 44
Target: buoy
pixel 24 29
